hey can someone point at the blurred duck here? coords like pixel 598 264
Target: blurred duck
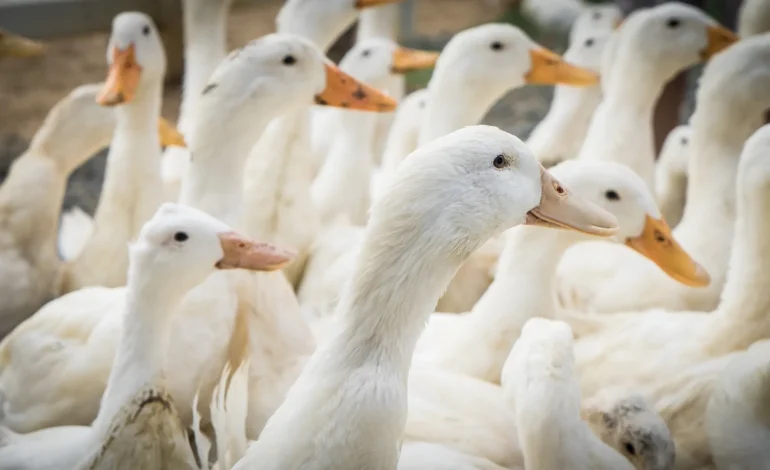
pixel 13 45
pixel 671 174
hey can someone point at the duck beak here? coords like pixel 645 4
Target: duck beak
pixel 169 135
pixel 559 208
pixel 122 78
pixel 344 91
pixel 658 244
pixel 618 23
pixel 241 252
pixel 12 45
pixel 548 68
pixel 405 60
pixel 719 39
pixel 361 4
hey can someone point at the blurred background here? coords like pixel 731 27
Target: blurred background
pixel 76 34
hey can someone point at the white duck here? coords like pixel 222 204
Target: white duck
pixel 342 186
pixel 347 409
pixel 753 17
pixel 479 65
pixel 138 425
pixel 476 68
pixel 53 367
pixel 132 188
pixel 31 197
pixel 737 416
pixel 595 18
pixel 205 45
pixel 685 352
pixel 650 48
pixel 560 134
pixel 541 384
pixel 671 174
pixel 280 169
pixel 731 103
pixel 478 343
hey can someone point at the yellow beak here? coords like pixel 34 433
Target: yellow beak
pixel 361 4
pixel 657 243
pixel 548 68
pixel 405 60
pixel 122 78
pixel 344 91
pixel 719 39
pixel 169 135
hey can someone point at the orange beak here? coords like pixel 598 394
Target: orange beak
pixel 361 4
pixel 169 135
pixel 12 45
pixel 344 91
pixel 122 78
pixel 658 244
pixel 405 60
pixel 548 68
pixel 242 252
pixel 719 39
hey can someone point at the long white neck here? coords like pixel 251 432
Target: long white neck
pixel 530 258
pixel 670 193
pixel 563 130
pixel 717 141
pixel 219 150
pixel 621 128
pixel 742 315
pixel 132 180
pixel 143 346
pixel 279 176
pixel 453 104
pixel 205 38
pixel 342 185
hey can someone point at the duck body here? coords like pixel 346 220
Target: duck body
pixel 30 215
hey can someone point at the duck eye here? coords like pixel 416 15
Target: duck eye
pixel 499 161
pixel 612 195
pixel 684 140
pixel 496 46
pixel 289 60
pixel 589 42
pixel 673 23
pixel 366 53
pixel 180 237
pixel 630 448
pixel 597 16
pixel 146 30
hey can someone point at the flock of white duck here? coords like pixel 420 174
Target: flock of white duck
pixel 573 328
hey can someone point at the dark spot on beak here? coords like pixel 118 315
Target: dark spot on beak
pixel 359 94
pixel 208 88
pixel 344 104
pixel 321 101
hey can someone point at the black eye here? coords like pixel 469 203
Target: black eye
pixel 496 46
pixel 499 161
pixel 673 23
pixel 366 53
pixel 589 42
pixel 684 140
pixel 180 237
pixel 630 448
pixel 612 195
pixel 289 60
pixel 146 30
pixel 597 16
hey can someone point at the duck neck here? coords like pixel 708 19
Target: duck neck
pixel 712 171
pixel 280 176
pixel 205 38
pixel 342 185
pixel 133 162
pixel 454 104
pixel 741 318
pixel 562 131
pixel 219 150
pixel 141 354
pixel 379 22
pixel 530 258
pixel 621 128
